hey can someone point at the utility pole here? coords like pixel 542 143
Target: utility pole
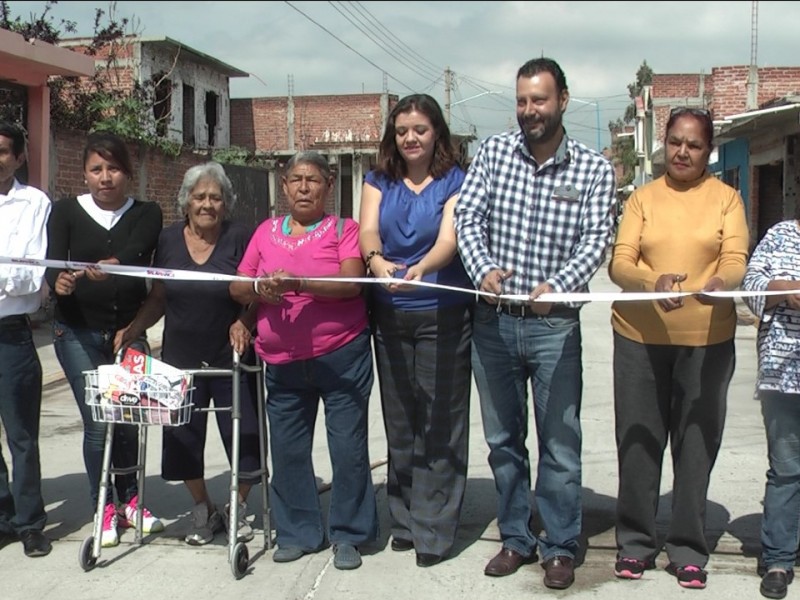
pixel 752 74
pixel 448 84
pixel 597 117
pixel 290 111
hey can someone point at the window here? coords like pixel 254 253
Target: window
pixel 188 115
pixel 211 116
pixel 162 103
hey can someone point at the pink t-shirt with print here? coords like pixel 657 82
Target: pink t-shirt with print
pixel 304 326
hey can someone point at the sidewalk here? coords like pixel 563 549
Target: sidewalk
pixel 165 567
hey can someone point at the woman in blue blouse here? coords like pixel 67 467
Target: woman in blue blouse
pixel 774 266
pixel 422 334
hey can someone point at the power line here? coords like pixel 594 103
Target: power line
pixel 408 50
pixel 348 46
pixel 363 28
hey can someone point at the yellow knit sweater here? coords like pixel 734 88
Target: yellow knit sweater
pixel 697 228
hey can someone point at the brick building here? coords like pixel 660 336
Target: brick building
pixel 346 128
pixel 191 89
pixel 191 94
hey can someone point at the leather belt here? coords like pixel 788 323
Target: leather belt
pixel 15 321
pixel 524 311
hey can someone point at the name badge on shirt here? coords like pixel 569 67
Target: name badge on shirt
pixel 566 192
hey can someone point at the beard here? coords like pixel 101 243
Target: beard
pixel 550 126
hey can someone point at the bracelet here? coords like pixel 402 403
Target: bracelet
pixel 372 254
pixel 302 286
pixel 255 287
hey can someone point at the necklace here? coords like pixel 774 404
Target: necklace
pixel 287 225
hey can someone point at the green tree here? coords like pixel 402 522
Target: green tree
pixel 40 27
pixel 623 148
pixel 644 76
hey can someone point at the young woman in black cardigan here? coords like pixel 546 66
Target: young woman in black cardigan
pixel 102 226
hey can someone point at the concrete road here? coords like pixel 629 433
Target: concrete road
pixel 164 567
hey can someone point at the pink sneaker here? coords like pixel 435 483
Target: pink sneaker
pixel 109 536
pixel 690 576
pixel 127 517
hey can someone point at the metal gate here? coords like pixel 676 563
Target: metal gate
pixel 251 186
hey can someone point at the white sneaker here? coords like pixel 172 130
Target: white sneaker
pixel 204 525
pixel 244 531
pixel 109 536
pixel 150 523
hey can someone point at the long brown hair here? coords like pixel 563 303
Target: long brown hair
pixel 390 161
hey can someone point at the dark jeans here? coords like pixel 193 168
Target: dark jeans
pixel 781 519
pixel 21 504
pixel 666 392
pixel 424 370
pixel 509 354
pixel 343 379
pixel 80 350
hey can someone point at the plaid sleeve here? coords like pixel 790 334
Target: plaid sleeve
pixel 471 217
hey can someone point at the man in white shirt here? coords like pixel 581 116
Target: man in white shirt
pixel 23 234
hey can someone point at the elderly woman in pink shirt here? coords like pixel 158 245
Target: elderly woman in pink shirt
pixel 314 339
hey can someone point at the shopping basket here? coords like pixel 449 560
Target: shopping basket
pixel 118 396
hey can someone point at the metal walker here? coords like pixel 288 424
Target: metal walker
pixel 129 410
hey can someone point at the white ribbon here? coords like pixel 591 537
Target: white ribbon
pixel 182 275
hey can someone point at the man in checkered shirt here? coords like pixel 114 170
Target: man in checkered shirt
pixel 535 215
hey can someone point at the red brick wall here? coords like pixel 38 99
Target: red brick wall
pixel 158 174
pixel 123 49
pixel 724 90
pixel 683 89
pixel 120 78
pixel 679 85
pixel 754 205
pixel 730 87
pixel 261 124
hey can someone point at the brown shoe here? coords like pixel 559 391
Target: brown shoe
pixel 559 572
pixel 505 563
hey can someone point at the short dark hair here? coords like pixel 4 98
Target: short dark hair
pixel 111 147
pixel 15 134
pixel 391 163
pixel 701 115
pixel 544 65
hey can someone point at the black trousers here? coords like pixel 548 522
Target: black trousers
pixel 424 373
pixel 675 393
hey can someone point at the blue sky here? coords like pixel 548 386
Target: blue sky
pixel 405 47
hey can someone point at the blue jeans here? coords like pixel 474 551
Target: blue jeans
pixel 21 504
pixel 779 525
pixel 343 379
pixel 80 350
pixel 507 352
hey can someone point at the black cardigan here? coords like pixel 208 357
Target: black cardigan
pixel 73 235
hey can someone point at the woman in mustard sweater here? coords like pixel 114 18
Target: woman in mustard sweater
pixel 674 358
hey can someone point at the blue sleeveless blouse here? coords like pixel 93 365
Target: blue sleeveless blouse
pixel 409 224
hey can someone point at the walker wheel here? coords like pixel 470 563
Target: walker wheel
pixel 241 560
pixel 86 557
